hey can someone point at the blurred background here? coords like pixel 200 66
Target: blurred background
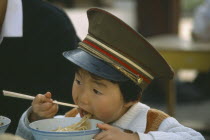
pixel 172 27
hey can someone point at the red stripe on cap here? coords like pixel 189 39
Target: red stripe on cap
pixel 116 59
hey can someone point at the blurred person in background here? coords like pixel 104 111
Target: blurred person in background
pixel 199 88
pixel 33 35
pixel 201 32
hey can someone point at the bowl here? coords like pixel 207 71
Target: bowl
pixel 43 129
pixel 4 124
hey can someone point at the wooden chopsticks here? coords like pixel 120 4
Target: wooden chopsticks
pixel 27 97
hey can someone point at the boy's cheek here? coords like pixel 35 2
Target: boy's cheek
pixel 75 96
pixel 104 115
pixel 75 100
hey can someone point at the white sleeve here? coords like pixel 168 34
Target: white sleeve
pixel 171 129
pixel 23 126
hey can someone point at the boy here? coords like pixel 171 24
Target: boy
pixel 115 64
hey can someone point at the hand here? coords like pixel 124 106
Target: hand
pixel 113 133
pixel 43 107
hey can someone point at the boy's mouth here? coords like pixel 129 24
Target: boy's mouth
pixel 83 112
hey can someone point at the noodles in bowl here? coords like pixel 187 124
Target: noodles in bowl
pixel 83 124
pixel 51 129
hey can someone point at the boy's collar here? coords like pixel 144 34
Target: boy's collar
pixel 137 113
pixel 13 22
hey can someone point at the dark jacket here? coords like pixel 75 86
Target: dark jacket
pixel 34 63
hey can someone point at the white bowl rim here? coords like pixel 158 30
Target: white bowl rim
pixel 69 133
pixel 5 124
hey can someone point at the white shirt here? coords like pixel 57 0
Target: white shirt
pixel 136 118
pixel 137 113
pixel 13 21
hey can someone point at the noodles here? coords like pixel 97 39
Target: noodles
pixel 83 124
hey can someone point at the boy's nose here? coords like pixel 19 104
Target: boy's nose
pixel 83 99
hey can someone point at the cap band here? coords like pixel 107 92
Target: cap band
pixel 119 55
pixel 104 52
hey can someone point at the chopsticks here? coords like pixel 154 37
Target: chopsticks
pixel 27 97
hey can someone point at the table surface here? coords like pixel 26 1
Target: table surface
pixel 183 54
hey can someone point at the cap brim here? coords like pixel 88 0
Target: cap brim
pixel 94 65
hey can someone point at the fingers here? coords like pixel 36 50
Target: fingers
pixel 104 126
pixel 43 106
pixel 111 133
pixel 105 133
pixel 48 94
pixel 36 114
pixel 51 112
pixel 47 112
pixel 101 135
pixel 39 99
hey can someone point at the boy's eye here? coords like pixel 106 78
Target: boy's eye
pixel 96 91
pixel 78 82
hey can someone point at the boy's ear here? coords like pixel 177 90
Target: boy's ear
pixel 129 104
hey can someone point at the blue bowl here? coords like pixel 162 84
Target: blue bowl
pixel 43 129
pixel 4 124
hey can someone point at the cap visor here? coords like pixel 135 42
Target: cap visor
pixel 94 65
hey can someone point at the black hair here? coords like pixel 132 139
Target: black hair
pixel 130 91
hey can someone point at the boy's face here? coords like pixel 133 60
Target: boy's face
pixel 101 98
